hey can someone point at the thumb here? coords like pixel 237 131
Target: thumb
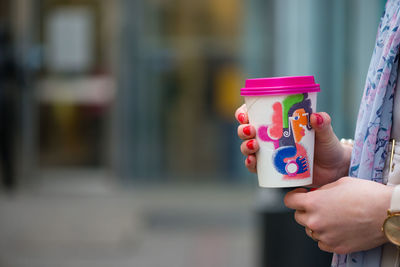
pixel 321 123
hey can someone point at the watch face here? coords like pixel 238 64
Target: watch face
pixel 392 229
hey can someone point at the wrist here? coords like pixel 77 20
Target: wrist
pixel 388 206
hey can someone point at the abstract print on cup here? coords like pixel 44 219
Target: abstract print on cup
pixel 290 123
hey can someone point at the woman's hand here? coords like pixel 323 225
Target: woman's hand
pixel 331 158
pixel 247 133
pixel 344 216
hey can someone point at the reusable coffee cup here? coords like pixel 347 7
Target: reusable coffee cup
pixel 280 108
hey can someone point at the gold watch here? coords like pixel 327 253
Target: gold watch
pixel 391 225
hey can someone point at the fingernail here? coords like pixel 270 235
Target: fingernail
pixel 320 119
pixel 313 189
pixel 248 160
pixel 241 117
pixel 250 144
pixel 247 130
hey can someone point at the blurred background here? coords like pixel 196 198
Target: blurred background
pixel 118 140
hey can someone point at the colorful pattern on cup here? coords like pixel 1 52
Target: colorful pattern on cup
pixel 290 121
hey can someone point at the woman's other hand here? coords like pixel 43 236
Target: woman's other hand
pixel 345 216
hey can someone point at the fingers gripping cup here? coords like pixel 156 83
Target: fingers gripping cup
pixel 280 108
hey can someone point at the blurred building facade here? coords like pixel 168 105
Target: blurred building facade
pixel 147 89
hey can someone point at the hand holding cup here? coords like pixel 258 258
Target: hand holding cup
pixel 327 149
pixel 279 109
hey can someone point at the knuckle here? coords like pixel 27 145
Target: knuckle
pixel 314 224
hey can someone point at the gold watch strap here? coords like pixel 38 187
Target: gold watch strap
pixel 392 146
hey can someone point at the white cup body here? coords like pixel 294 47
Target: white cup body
pixel 286 154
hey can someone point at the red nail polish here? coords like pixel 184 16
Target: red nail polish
pixel 247 130
pixel 313 189
pixel 320 120
pixel 250 144
pixel 248 160
pixel 241 117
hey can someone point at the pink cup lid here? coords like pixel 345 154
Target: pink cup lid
pixel 280 86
